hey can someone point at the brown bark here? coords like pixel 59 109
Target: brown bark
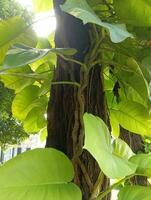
pixel 64 105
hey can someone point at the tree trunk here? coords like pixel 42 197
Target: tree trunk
pixel 69 102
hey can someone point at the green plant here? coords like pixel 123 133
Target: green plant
pixel 11 130
pixel 102 68
pixel 26 176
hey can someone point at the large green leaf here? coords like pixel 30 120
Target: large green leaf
pixel 83 11
pixel 35 120
pixel 42 6
pixel 21 55
pixel 14 79
pixel 43 134
pixel 135 12
pixel 38 174
pixel 135 193
pixel 98 143
pixel 95 125
pixel 121 148
pixel 26 100
pixel 133 117
pixel 143 161
pixel 146 66
pixel 137 81
pixel 14 30
pixel 132 95
pixel 115 127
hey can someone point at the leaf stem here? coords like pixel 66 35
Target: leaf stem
pixel 97 186
pixel 72 60
pixel 107 191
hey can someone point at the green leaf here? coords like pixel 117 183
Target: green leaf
pixel 113 166
pixel 45 86
pixel 19 33
pixel 49 59
pixel 135 193
pixel 43 134
pixel 35 120
pixel 146 65
pixel 121 148
pixel 143 161
pixel 95 125
pixel 101 149
pixel 83 11
pixel 38 174
pixel 114 125
pixel 42 6
pixel 137 81
pixel 21 55
pixel 131 95
pixel 134 12
pixel 132 64
pixel 133 117
pixel 27 99
pixel 14 79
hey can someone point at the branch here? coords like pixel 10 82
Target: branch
pixel 72 60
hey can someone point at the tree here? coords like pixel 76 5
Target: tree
pixel 101 84
pixel 11 8
pixel 11 131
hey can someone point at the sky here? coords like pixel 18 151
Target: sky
pixel 46 20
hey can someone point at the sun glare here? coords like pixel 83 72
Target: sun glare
pixel 26 4
pixel 45 22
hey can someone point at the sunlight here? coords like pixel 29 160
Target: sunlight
pixel 26 4
pixel 46 24
pixel 45 21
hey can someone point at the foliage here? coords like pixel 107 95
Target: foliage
pixel 122 48
pixel 42 6
pixel 135 192
pixel 11 8
pixel 103 152
pixel 82 10
pixel 47 175
pixel 11 131
pixel 123 162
